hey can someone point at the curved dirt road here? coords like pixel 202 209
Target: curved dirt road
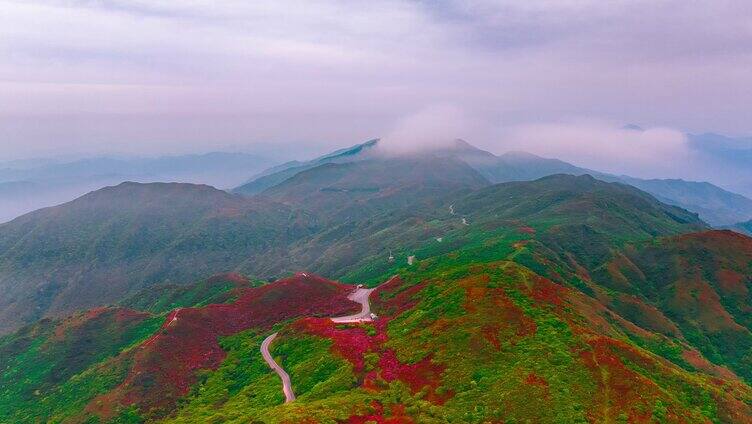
pixel 360 295
pixel 286 384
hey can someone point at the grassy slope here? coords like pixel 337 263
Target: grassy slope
pixel 701 282
pixel 52 369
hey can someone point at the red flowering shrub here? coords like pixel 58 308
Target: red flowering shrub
pixel 165 366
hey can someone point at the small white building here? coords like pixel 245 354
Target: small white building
pixel 410 260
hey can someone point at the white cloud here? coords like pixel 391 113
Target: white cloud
pixel 606 147
pixel 432 127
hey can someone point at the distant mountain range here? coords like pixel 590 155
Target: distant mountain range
pixel 29 185
pixel 727 158
pixel 714 204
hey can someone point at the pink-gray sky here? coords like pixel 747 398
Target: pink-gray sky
pixel 153 77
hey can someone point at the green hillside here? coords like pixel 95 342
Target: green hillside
pixel 117 240
pixel 564 299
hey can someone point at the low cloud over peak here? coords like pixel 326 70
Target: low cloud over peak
pixel 434 127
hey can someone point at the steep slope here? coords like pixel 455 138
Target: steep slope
pixel 702 282
pixel 109 243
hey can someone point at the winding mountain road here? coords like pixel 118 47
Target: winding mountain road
pixel 360 295
pixel 286 384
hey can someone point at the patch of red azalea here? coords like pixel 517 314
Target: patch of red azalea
pixel 546 291
pixel 647 316
pixel 732 283
pixel 165 366
pixel 535 380
pixel 726 240
pixel 126 315
pixel 699 297
pixel 422 374
pixel 631 393
pixel 698 361
pixel 351 342
pixel 392 298
pixel 493 311
pixel 491 334
pixel 397 416
pixel 620 390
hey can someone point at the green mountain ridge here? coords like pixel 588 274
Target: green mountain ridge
pixel 714 204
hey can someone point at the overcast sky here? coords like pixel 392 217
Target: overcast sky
pixel 159 76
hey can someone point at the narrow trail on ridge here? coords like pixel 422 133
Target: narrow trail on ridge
pixel 360 295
